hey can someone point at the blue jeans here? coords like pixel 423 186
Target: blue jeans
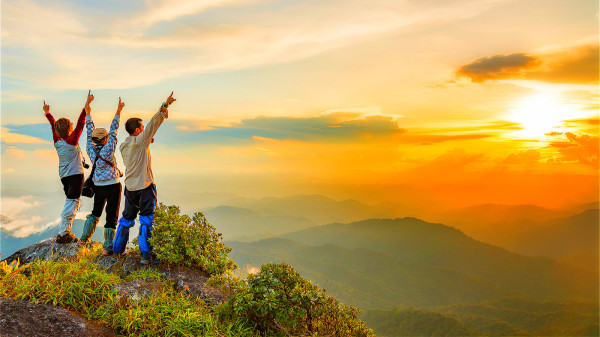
pixel 144 203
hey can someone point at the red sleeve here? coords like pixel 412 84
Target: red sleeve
pixel 51 120
pixel 73 138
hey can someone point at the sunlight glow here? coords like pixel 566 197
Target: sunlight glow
pixel 539 115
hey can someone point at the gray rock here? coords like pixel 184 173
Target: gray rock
pixel 183 278
pixel 46 250
pixel 136 290
pixel 24 319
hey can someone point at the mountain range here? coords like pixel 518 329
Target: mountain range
pixel 408 262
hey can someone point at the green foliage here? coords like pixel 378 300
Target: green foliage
pixel 82 287
pixel 170 313
pixel 192 241
pixel 277 301
pixel 145 274
pixel 77 285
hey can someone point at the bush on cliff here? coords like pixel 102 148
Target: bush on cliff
pixel 191 241
pixel 277 301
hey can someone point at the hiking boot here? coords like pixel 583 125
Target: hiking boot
pixel 145 260
pixel 109 236
pixel 155 259
pixel 67 237
pixel 88 229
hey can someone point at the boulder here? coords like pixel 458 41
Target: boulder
pixel 46 250
pixel 183 278
pixel 23 319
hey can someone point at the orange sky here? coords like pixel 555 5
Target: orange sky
pixel 428 103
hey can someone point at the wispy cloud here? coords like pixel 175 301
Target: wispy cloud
pixel 15 219
pixel 582 148
pixel 170 39
pixel 571 65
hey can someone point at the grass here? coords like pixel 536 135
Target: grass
pixel 81 286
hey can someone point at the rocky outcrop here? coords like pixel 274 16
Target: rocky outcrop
pixel 183 278
pixel 46 250
pixel 22 318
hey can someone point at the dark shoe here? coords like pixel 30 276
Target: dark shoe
pixel 107 252
pixel 145 260
pixel 68 237
pixel 155 259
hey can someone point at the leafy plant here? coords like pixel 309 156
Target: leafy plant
pixel 192 241
pixel 277 301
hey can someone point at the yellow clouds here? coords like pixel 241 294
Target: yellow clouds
pixel 577 148
pixel 577 65
pixel 498 67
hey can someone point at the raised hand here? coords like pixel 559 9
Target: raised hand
pixel 89 100
pixel 46 107
pixel 120 107
pixel 170 100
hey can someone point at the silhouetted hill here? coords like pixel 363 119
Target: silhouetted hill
pixel 560 238
pixel 400 323
pixel 370 279
pixel 536 318
pixel 494 213
pixel 417 242
pixel 317 208
pixel 494 223
pixel 237 222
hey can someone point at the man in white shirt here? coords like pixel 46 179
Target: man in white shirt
pixel 140 191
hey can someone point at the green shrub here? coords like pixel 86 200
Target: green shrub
pixel 192 241
pixel 78 285
pixel 277 301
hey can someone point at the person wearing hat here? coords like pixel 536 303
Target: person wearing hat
pixel 140 191
pixel 101 145
pixel 70 167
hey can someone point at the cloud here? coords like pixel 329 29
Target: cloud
pixel 497 67
pixel 331 127
pixel 571 65
pixel 168 10
pixel 523 157
pixel 15 152
pixel 147 42
pixel 15 218
pixel 578 148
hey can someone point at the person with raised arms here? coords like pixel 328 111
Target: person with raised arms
pixel 140 190
pixel 101 146
pixel 70 166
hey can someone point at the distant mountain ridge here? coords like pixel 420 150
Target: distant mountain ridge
pixel 237 222
pixel 560 238
pixel 436 257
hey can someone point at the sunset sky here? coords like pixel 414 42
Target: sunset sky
pixel 431 103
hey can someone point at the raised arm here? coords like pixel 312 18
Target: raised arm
pixel 74 136
pixel 89 145
pixel 150 130
pixel 112 134
pixel 51 120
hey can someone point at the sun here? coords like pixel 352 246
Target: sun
pixel 539 115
